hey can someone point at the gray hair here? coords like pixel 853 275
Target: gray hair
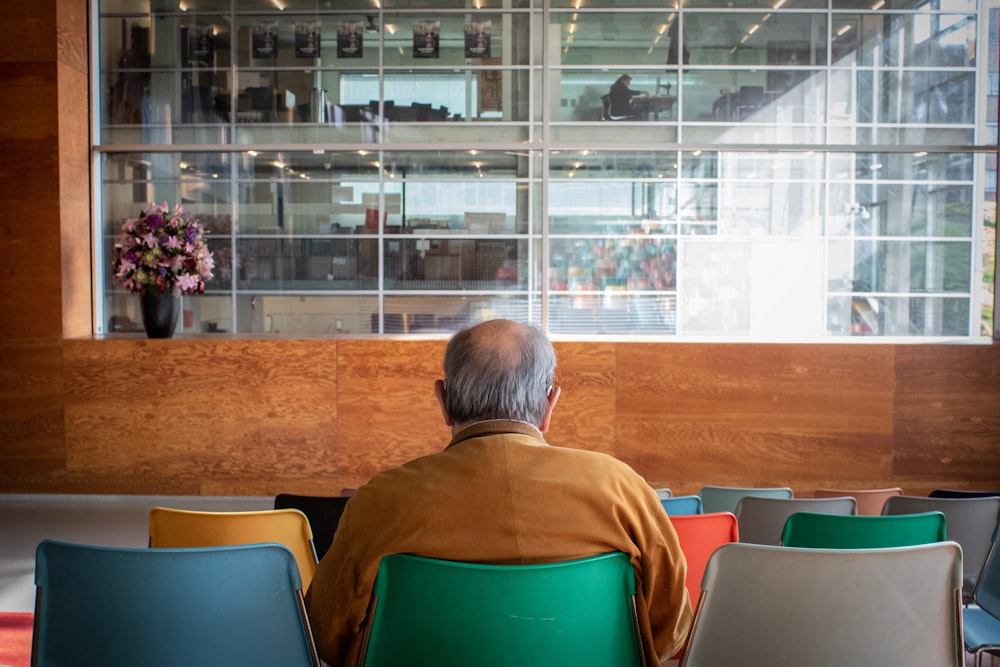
pixel 499 369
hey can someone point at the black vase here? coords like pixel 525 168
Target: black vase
pixel 159 313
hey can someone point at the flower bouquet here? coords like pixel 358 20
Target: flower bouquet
pixel 162 251
pixel 161 255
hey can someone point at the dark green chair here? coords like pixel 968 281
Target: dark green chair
pixel 451 614
pixel 831 531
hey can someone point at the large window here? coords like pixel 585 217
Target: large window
pixel 780 170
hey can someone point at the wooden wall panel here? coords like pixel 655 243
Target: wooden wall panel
pixel 696 414
pixel 947 416
pixel 585 416
pixel 220 416
pixel 386 401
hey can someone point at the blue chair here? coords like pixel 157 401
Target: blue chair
pixel 981 623
pixel 725 498
pixel 450 614
pixel 197 607
pixel 682 505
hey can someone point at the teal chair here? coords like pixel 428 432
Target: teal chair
pixel 198 607
pixel 452 614
pixel 682 505
pixel 832 531
pixel 725 498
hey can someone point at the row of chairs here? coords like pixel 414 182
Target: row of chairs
pixel 762 513
pixel 162 532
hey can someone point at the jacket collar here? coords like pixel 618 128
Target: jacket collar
pixel 496 427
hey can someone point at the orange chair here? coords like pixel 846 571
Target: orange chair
pixel 870 501
pixel 169 527
pixel 700 535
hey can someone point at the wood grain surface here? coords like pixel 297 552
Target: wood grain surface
pixel 223 416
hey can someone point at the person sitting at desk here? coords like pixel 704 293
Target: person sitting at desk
pixel 620 99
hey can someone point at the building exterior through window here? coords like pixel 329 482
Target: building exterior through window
pixel 786 169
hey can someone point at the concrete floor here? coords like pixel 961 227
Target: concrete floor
pixel 26 520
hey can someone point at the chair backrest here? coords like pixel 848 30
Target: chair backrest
pixel 766 605
pixel 724 498
pixel 870 501
pixel 664 492
pixel 444 613
pixel 962 493
pixel 987 593
pixel 682 505
pixel 700 535
pixel 173 528
pixel 761 520
pixel 166 607
pixel 969 521
pixel 323 512
pixel 832 531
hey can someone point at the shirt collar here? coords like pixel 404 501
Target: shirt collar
pixel 494 427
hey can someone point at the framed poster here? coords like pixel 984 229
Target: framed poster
pixel 350 39
pixel 201 45
pixel 265 39
pixel 490 87
pixel 426 39
pixel 307 39
pixel 477 39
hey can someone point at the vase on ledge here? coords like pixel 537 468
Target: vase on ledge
pixel 159 313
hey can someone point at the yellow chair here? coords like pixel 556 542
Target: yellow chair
pixel 173 528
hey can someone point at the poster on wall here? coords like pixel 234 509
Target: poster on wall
pixel 350 39
pixel 307 39
pixel 426 39
pixel 477 39
pixel 265 39
pixel 201 45
pixel 490 87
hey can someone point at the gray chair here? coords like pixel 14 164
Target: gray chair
pixel 968 521
pixel 664 493
pixel 761 520
pixel 981 622
pixel 725 498
pixel 765 605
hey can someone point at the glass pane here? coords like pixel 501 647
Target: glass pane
pixel 899 266
pixel 927 39
pixel 270 314
pixel 928 97
pixel 898 316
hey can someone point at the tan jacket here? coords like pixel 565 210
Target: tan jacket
pixel 500 494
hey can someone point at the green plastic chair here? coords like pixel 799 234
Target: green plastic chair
pixel 725 498
pixel 452 614
pixel 197 607
pixel 832 531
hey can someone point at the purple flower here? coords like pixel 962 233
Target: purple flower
pixel 162 250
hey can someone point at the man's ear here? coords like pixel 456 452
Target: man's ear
pixel 553 397
pixel 439 391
